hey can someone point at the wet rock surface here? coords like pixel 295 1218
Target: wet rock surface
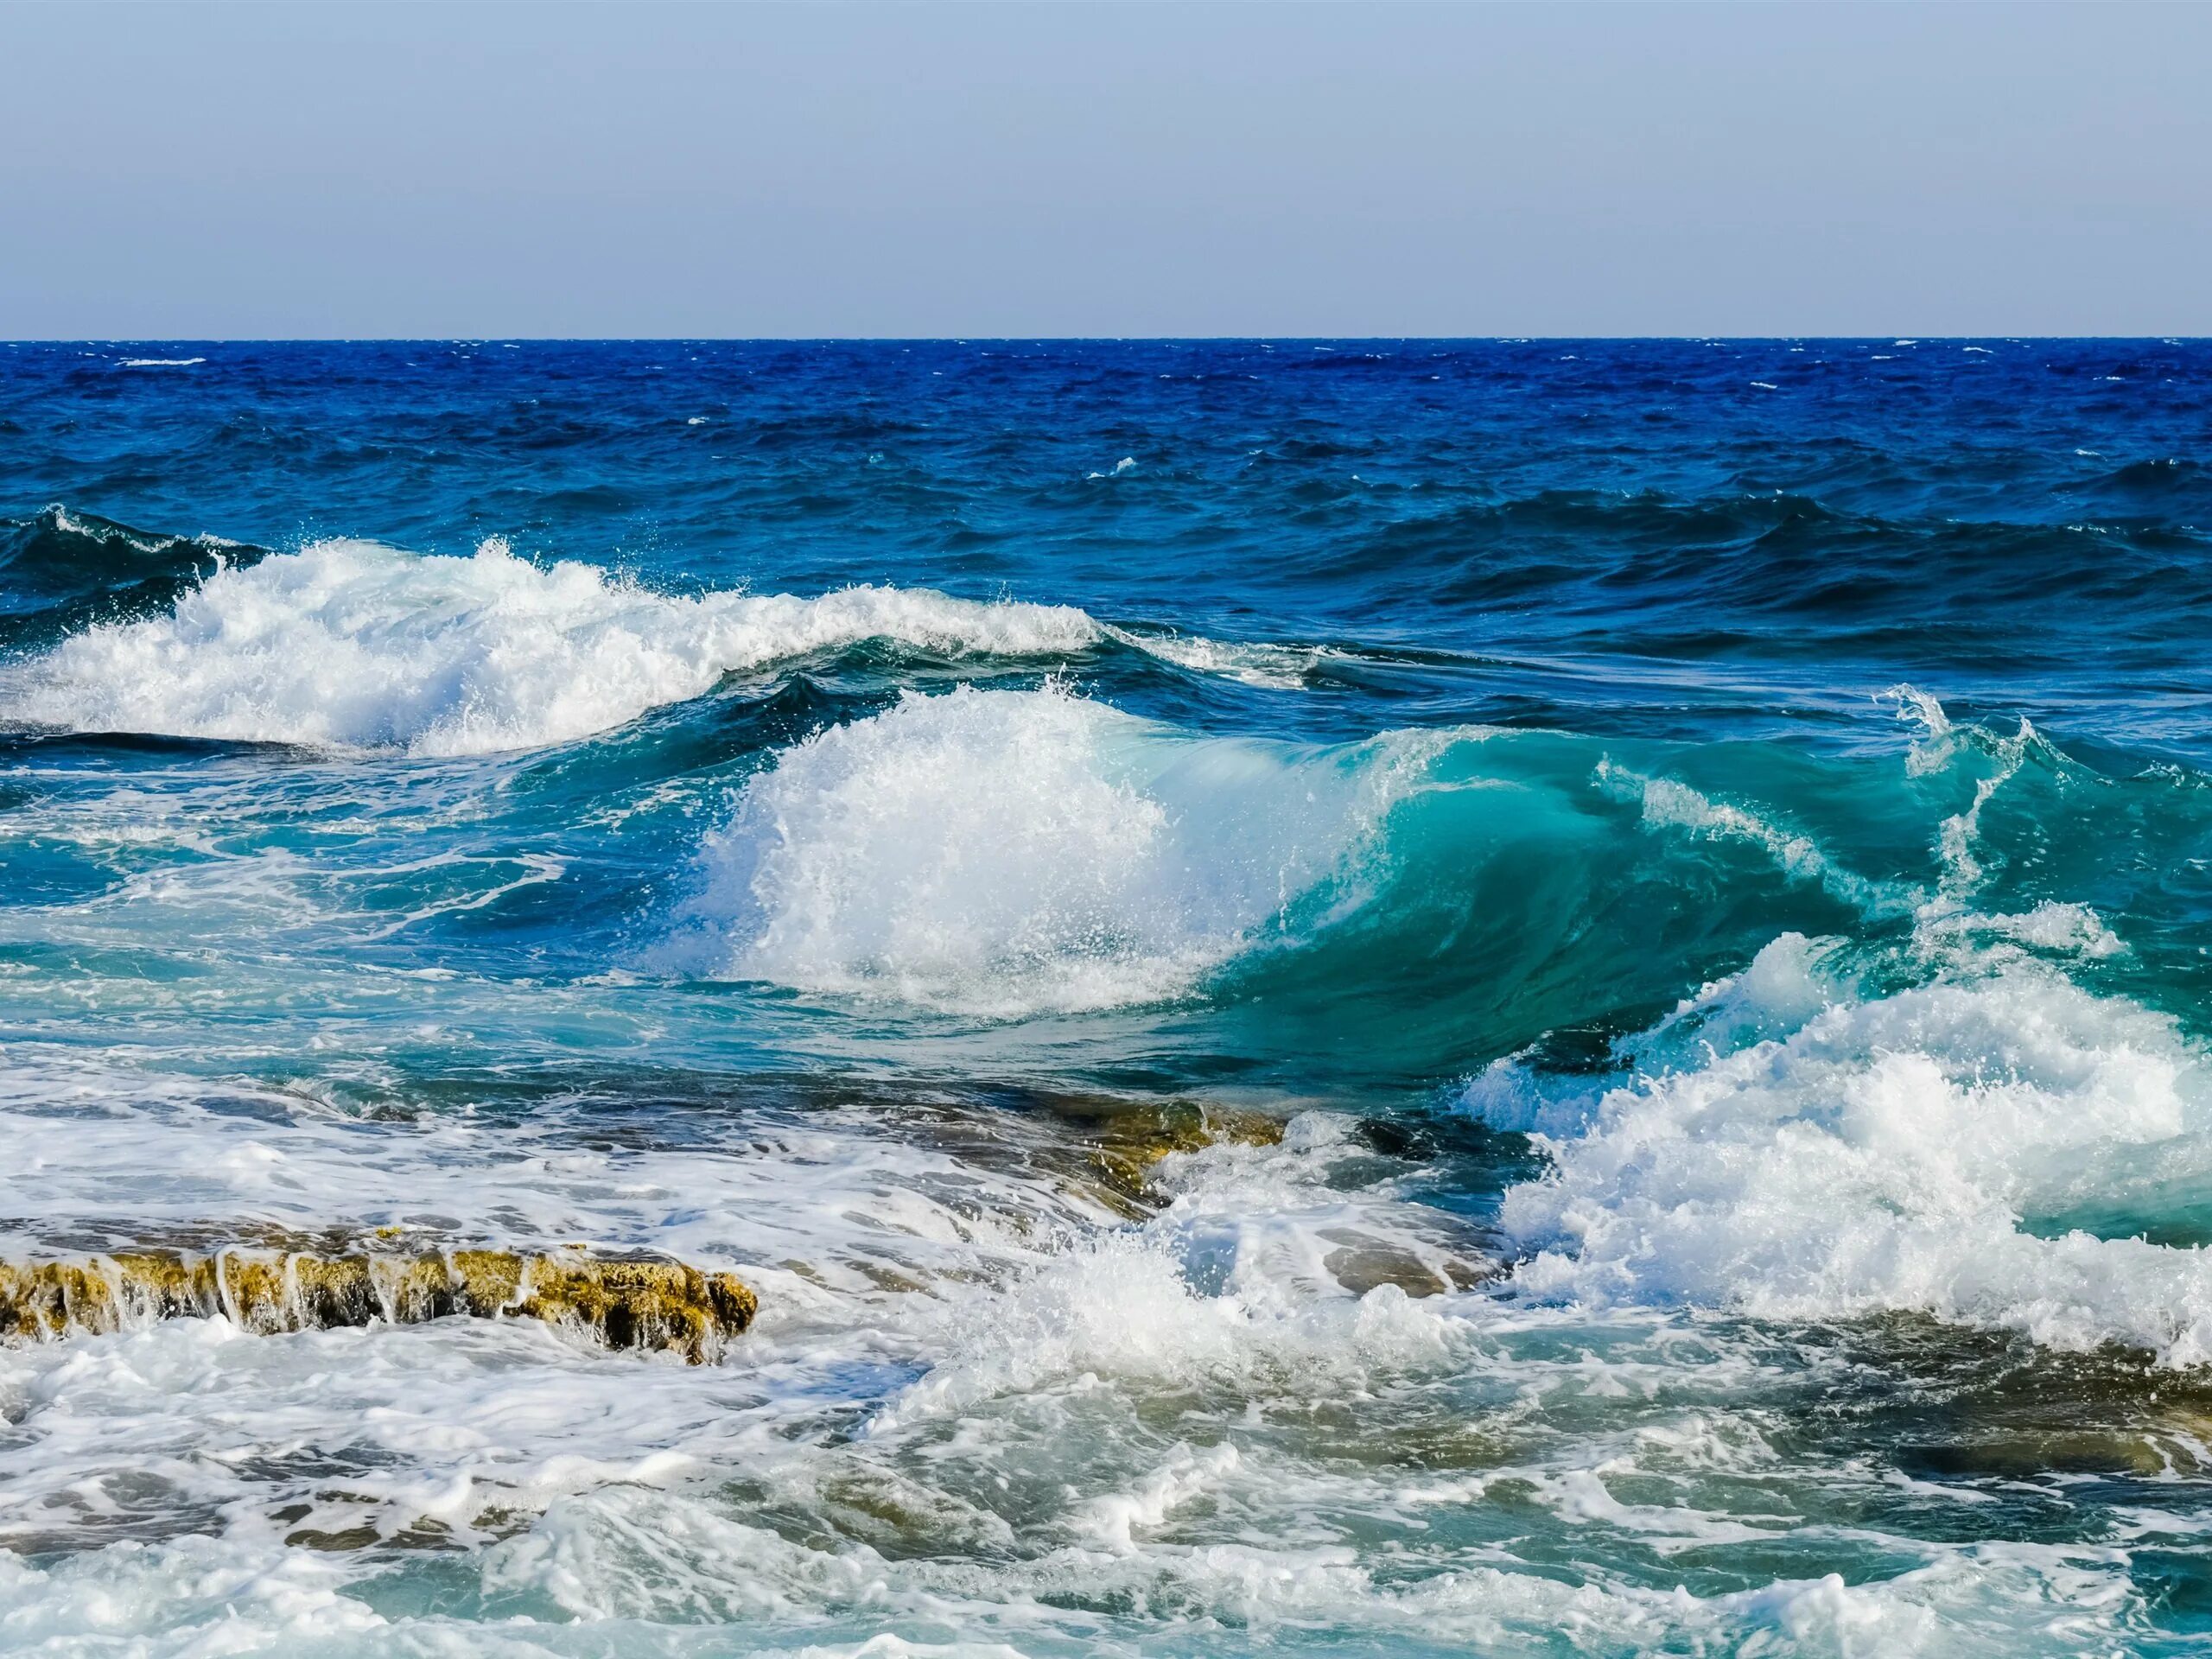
pixel 634 1302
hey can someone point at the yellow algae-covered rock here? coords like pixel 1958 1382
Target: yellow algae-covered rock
pixel 256 1293
pixel 637 1304
pixel 410 1289
pixel 486 1283
pixel 323 1291
pixel 164 1285
pixel 52 1298
pixel 624 1303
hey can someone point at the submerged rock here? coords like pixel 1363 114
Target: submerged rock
pixel 624 1303
pixel 1128 1140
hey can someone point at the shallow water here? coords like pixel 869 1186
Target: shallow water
pixel 1531 996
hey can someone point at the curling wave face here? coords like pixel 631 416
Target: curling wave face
pixel 1009 852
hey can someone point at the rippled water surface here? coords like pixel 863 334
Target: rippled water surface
pixel 1527 997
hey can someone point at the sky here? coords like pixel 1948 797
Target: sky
pixel 1041 168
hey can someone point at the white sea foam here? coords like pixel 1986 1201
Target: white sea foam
pixel 1798 1149
pixel 1940 745
pixel 1188 1417
pixel 1240 1286
pixel 2051 928
pixel 1251 663
pixel 353 645
pixel 661 1575
pixel 348 643
pixel 159 1156
pixel 1004 852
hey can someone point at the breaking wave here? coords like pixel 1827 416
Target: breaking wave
pixel 360 647
pixel 1008 852
pixel 1998 1147
pixel 61 570
pixel 350 645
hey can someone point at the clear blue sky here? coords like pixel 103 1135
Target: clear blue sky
pixel 1050 169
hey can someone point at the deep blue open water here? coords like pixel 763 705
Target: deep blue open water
pixel 1701 850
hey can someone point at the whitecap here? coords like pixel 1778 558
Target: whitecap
pixel 349 645
pixel 1002 853
pixel 1250 662
pixel 1796 1148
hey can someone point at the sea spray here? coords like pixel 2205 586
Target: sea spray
pixel 1795 1149
pixel 1003 853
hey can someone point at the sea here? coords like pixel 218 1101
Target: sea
pixel 1404 997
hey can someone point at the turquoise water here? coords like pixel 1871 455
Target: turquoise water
pixel 1677 871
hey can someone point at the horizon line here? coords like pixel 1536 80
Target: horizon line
pixel 1891 337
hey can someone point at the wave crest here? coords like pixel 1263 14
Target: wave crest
pixel 1985 1151
pixel 1004 853
pixel 350 645
pixel 60 569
